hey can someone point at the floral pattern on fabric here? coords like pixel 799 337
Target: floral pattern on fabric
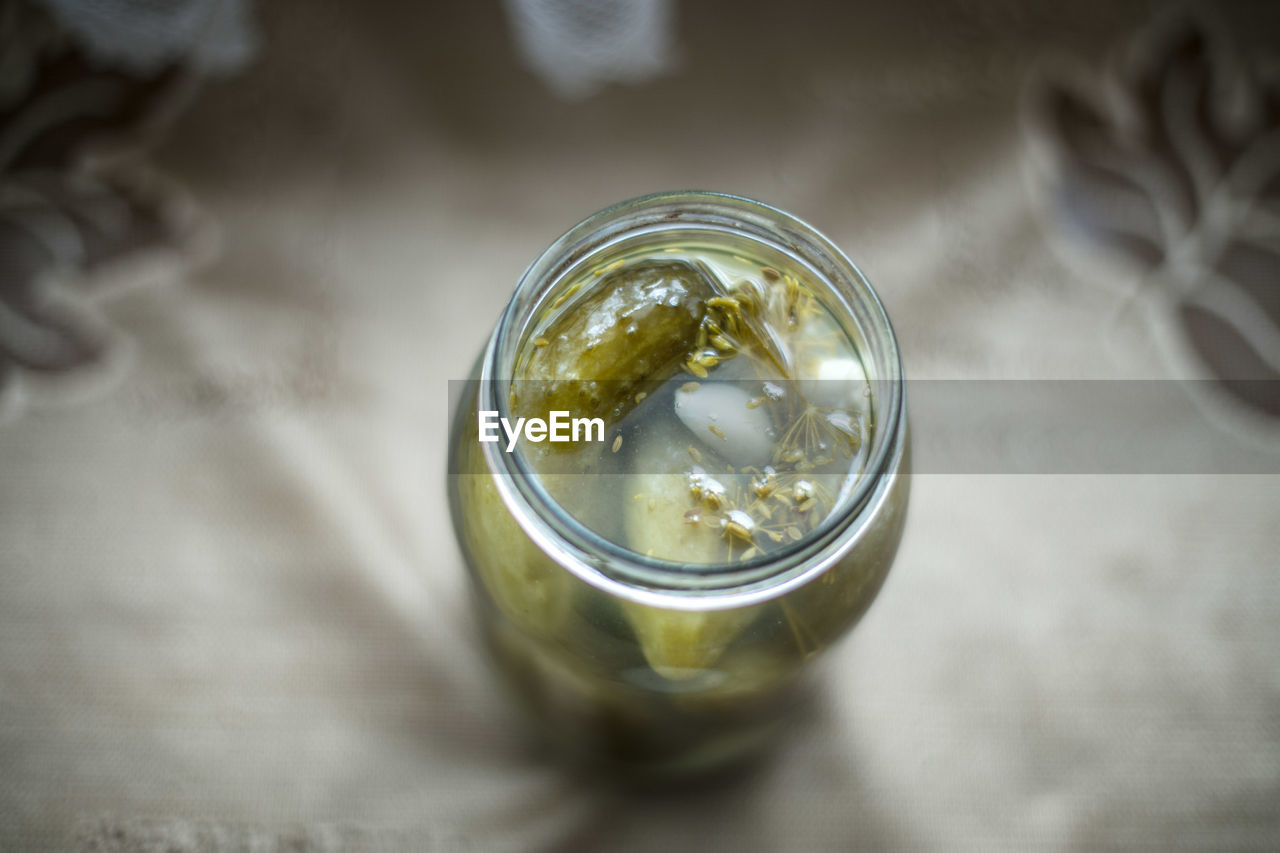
pixel 1168 163
pixel 81 215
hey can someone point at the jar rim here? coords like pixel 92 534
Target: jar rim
pixel 603 562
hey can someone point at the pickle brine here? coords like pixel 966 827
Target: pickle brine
pixel 735 406
pixel 727 441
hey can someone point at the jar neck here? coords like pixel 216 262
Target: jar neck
pixel 736 224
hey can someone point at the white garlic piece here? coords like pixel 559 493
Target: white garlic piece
pixel 721 417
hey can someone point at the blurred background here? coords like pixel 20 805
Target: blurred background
pixel 244 246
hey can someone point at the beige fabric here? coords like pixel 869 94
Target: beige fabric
pixel 232 615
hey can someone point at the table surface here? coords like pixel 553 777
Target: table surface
pixel 232 613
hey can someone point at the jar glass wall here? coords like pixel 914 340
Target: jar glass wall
pixel 636 650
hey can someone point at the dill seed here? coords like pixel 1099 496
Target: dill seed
pixel 617 443
pixel 716 431
pixel 690 387
pixel 540 342
pixel 770 274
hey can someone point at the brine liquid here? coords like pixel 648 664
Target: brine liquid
pixel 748 446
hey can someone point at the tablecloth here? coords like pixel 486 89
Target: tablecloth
pixel 232 612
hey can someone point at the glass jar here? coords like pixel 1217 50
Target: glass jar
pixel 645 665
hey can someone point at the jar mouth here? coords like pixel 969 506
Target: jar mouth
pixel 714 216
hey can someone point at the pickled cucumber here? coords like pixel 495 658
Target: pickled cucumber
pixel 677 644
pixel 631 332
pixel 658 503
pixel 526 585
pixel 681 644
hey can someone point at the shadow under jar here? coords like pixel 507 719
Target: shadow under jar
pixel 658 590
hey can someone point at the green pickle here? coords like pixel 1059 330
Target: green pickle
pixel 627 334
pixel 737 417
